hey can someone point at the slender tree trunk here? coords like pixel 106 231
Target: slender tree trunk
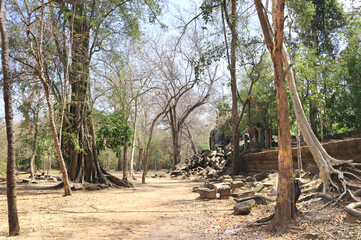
pixel 32 163
pixel 125 164
pixel 33 155
pixel 232 23
pixel 285 212
pixel 119 160
pixel 175 135
pixel 250 129
pixel 193 146
pixel 313 102
pixel 134 137
pixel 14 228
pixel 38 54
pixel 299 153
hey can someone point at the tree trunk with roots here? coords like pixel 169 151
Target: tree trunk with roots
pixel 329 174
pixel 285 211
pixel 84 164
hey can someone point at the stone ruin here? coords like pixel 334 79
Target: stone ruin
pixel 206 164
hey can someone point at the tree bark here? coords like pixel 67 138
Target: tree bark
pixel 133 143
pixel 125 164
pixel 84 164
pixel 35 152
pixel 299 153
pixel 285 212
pixel 119 167
pixel 175 135
pixel 324 161
pixel 14 228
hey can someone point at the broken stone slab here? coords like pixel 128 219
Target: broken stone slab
pixel 243 207
pixel 261 176
pixel 207 193
pixel 224 191
pixel 258 187
pixel 251 179
pixel 195 189
pixel 77 186
pixel 237 184
pixel 217 186
pixel 237 193
pixel 258 198
pixel 309 236
pixel 273 192
pixel 269 183
pixel 226 178
pixel 250 184
pixel 239 178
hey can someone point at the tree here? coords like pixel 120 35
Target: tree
pixel 92 22
pixel 31 106
pixel 114 132
pixel 285 211
pixel 37 52
pixel 14 228
pixel 317 24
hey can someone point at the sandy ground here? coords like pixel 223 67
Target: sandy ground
pixel 161 209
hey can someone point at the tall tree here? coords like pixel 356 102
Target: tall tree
pixel 317 24
pixel 285 211
pixel 36 48
pixel 92 23
pixel 14 228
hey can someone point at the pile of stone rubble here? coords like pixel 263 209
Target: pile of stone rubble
pixel 249 191
pixel 207 164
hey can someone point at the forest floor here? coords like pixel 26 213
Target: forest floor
pixel 161 209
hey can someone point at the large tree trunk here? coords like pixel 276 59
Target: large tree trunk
pixel 14 228
pixel 84 163
pixel 285 212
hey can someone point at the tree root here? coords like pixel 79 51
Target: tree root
pixel 324 196
pixel 352 213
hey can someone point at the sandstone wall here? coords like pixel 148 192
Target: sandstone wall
pixel 342 149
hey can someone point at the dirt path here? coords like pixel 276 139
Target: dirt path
pixel 161 209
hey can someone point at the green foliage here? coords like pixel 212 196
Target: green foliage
pixel 161 152
pixel 222 107
pixel 318 22
pixel 114 131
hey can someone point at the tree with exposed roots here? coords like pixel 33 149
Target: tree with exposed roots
pixel 332 178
